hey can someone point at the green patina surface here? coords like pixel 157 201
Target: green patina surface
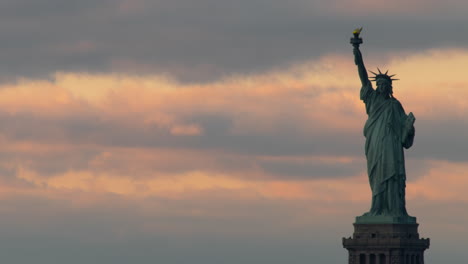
pixel 388 131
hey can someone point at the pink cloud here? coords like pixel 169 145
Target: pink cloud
pixel 186 130
pixel 446 181
pixel 320 96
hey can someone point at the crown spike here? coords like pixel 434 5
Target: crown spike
pixel 381 75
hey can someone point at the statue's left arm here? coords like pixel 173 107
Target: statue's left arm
pixel 408 131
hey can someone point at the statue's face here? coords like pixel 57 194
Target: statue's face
pixel 384 86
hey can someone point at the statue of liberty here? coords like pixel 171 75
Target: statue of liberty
pixel 388 130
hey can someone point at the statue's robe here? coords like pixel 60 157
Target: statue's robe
pixel 386 135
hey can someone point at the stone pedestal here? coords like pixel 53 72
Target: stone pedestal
pixel 386 243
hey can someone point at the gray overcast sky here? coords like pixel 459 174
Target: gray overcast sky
pixel 205 39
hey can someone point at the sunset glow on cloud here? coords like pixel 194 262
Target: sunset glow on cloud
pixel 150 135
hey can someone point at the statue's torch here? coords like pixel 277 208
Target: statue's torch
pixel 356 40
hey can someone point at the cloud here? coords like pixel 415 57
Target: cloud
pixel 176 160
pixel 303 123
pixel 396 8
pixel 206 40
pixel 275 113
pixel 306 168
pixel 443 182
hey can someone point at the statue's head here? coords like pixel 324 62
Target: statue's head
pixel 384 86
pixel 384 83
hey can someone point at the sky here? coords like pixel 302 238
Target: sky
pixel 213 131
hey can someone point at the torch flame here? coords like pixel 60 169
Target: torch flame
pixel 357 31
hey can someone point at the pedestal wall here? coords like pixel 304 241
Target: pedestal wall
pixel 386 244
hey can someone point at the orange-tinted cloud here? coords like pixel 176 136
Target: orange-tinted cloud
pixel 445 181
pixel 153 136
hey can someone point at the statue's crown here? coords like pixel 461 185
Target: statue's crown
pixel 381 75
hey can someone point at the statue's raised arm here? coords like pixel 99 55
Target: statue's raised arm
pixel 356 41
